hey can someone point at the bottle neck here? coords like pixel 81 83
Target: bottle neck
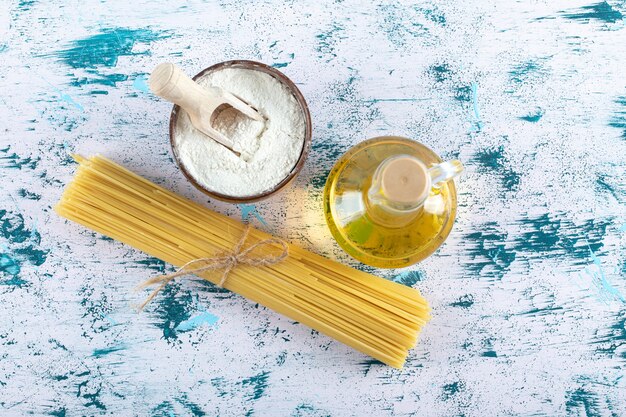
pixel 399 188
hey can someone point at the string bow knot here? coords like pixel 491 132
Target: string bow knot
pixel 227 262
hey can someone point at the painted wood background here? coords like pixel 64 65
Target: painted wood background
pixel 528 293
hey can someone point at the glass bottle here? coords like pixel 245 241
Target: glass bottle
pixel 390 202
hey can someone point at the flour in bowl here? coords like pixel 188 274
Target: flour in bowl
pixel 269 150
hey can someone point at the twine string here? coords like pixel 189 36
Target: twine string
pixel 227 262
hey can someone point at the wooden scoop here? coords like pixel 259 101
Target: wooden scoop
pixel 171 83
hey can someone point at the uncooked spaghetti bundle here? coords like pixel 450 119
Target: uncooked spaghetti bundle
pixel 372 315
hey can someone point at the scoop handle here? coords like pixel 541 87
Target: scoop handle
pixel 171 83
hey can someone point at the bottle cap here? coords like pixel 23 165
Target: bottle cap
pixel 405 180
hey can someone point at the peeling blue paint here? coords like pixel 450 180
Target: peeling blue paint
pixel 552 235
pixel 601 280
pixel 612 341
pixel 98 353
pixel 618 120
pixel 488 252
pixel 452 389
pixel 194 409
pixel 608 183
pixel 397 100
pixel 463 93
pixel 106 47
pixel 59 412
pixel 530 70
pixel 478 124
pixel 103 50
pixel 109 80
pixel 258 383
pixel 602 12
pixel 153 264
pixel 543 311
pixel 140 83
pixel 96 307
pixel 280 360
pixel 28 195
pixel 408 278
pixel 327 151
pixel 252 389
pixel 327 42
pixel 368 363
pixel 23 247
pixel 492 251
pixel 582 401
pixel 440 72
pixel 64 97
pixel 533 117
pixel 9 265
pixel 434 15
pixel 395 15
pixel 547 235
pixel 494 161
pixel 15 161
pixel 173 307
pixel 110 319
pixel 90 391
pixel 219 384
pixel 25 5
pixel 198 320
pixel 305 410
pixel 465 301
pixel 248 210
pixel 164 409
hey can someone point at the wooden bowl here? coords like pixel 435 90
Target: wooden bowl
pixel 257 66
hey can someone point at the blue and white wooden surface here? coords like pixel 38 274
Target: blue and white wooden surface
pixel 528 293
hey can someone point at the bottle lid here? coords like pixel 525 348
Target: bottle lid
pixel 405 180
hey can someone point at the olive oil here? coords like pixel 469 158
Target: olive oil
pixel 389 201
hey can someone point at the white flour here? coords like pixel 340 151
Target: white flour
pixel 269 149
